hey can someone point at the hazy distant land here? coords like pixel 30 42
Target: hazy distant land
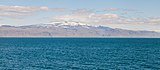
pixel 62 30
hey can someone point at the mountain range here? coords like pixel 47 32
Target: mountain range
pixel 70 29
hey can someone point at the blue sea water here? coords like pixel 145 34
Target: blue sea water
pixel 79 54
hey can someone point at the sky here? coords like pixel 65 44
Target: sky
pixel 124 14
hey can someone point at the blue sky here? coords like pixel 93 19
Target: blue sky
pixel 140 12
pixel 150 7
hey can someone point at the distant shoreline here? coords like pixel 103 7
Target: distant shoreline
pixel 79 37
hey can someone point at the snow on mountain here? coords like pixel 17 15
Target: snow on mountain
pixel 68 23
pixel 64 24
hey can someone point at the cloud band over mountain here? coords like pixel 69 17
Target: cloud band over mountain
pixel 112 17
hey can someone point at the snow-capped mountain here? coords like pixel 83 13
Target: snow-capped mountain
pixel 62 24
pixel 66 23
pixel 70 29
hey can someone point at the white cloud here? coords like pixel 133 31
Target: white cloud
pixel 22 9
pixel 102 19
pixel 111 9
pixel 88 18
pixel 10 14
pixel 25 10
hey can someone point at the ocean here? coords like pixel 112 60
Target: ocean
pixel 79 54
